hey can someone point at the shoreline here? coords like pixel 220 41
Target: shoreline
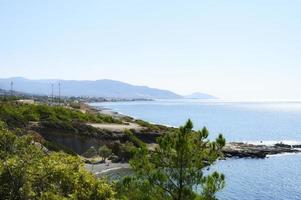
pixel 237 149
pixel 111 112
pixel 108 111
pixel 232 150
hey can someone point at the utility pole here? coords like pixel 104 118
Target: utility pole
pixel 52 94
pixel 5 93
pixel 11 88
pixel 59 93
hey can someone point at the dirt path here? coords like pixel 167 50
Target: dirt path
pixel 116 127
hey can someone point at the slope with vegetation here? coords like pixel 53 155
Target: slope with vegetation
pixel 34 167
pixel 172 171
pixel 19 115
pixel 53 122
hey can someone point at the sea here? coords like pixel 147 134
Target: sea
pixel 274 178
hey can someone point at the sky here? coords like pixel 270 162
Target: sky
pixel 233 49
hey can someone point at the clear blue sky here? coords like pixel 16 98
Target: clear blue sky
pixel 233 49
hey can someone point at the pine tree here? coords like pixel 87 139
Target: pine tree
pixel 175 169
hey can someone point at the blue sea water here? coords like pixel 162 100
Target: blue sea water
pixel 275 178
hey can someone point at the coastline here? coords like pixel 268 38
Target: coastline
pixel 111 112
pixel 232 150
pixel 108 111
pixel 238 149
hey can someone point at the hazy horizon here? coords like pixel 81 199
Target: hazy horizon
pixel 216 98
pixel 235 50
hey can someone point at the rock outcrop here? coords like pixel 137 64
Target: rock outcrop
pixel 244 150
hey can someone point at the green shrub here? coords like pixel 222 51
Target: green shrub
pixel 90 153
pixel 136 141
pixel 27 173
pixel 19 115
pixel 104 152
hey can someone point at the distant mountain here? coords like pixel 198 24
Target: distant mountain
pixel 198 95
pixel 98 88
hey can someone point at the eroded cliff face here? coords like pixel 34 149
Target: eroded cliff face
pixel 81 139
pixel 78 144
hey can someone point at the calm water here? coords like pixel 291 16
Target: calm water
pixel 277 177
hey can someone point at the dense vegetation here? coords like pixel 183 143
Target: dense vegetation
pixel 19 115
pixel 28 172
pixel 119 152
pixel 175 168
pixel 34 168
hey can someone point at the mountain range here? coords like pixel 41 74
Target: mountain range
pixel 99 88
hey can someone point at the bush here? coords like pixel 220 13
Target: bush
pixel 27 173
pixel 132 138
pixel 90 153
pixel 104 152
pixel 19 115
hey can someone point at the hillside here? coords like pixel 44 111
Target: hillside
pixel 73 129
pixel 98 88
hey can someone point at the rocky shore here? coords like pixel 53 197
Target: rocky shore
pixel 244 150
